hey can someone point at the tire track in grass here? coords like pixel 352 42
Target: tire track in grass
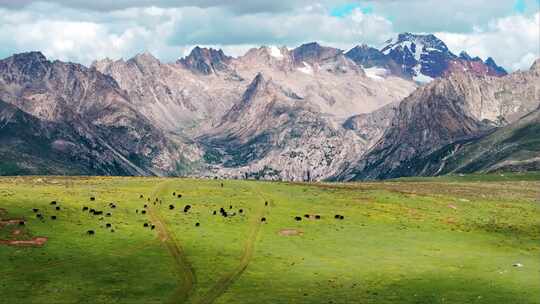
pixel 229 278
pixel 184 271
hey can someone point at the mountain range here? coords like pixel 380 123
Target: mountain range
pixel 409 108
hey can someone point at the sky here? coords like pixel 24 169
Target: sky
pixel 82 31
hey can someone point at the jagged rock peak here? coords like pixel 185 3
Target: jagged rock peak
pixel 498 70
pixel 314 52
pixel 205 60
pixel 145 57
pixel 33 65
pixel 145 61
pixel 427 40
pixel 258 85
pixel 465 56
pixel 265 54
pixel 102 63
pixel 362 53
pixel 536 65
pixel 34 56
pixel 28 60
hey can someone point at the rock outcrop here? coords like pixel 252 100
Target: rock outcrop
pixel 462 107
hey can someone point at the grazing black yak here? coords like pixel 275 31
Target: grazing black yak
pixel 174 194
pixel 215 212
pixel 263 219
pixel 341 217
pixel 221 185
pixel 21 223
pixel 108 225
pixel 298 218
pixel 90 232
pixel 153 227
pixel 306 216
pixel 137 211
pixel 53 203
pixel 84 208
pixel 171 207
pixel 53 217
pixel 98 212
pixel 92 198
pixel 337 216
pixel 108 214
pixel 179 196
pixel 35 210
pixel 39 215
pixel 197 224
pixel 145 225
pixel 266 203
pixel 145 206
pixel 241 211
pixel 142 196
pixel 143 212
pixel 317 217
pixel 57 207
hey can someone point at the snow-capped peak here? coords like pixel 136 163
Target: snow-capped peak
pixel 415 43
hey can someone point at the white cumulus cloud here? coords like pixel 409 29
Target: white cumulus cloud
pixel 514 41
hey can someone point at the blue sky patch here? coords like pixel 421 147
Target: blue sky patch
pixel 347 9
pixel 520 6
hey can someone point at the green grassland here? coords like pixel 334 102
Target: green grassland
pixel 452 239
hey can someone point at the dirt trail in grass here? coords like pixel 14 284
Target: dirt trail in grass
pixel 229 278
pixel 184 271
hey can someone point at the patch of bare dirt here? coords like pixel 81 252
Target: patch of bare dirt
pixel 291 232
pixel 34 242
pixel 10 222
pixel 450 221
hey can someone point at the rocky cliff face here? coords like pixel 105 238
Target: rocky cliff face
pixel 371 126
pixel 92 105
pixel 514 147
pixel 205 61
pixel 270 134
pixel 172 96
pixel 462 107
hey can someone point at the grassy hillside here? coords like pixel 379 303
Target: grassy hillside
pixel 438 240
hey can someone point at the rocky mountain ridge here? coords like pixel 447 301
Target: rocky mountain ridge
pixel 310 113
pixel 462 107
pixel 93 106
pixel 422 58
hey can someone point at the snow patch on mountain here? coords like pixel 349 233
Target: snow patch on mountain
pixel 376 73
pixel 419 76
pixel 306 69
pixel 276 52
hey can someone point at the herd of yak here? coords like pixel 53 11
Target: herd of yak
pixel 187 208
